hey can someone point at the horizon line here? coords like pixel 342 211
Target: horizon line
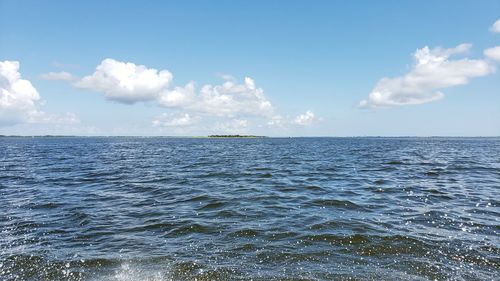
pixel 208 136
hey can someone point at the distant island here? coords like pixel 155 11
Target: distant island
pixel 235 136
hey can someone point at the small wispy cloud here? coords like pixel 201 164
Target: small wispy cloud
pixel 170 120
pixel 62 75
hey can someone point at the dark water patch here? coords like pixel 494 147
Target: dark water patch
pixel 326 225
pixel 314 188
pixel 29 267
pixel 214 205
pixel 197 198
pixel 245 233
pixel 47 205
pixel 280 235
pixel 265 175
pixel 153 227
pixel 395 245
pixel 193 228
pixel 346 204
pixel 229 214
pixel 247 247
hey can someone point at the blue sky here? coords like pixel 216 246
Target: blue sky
pixel 278 68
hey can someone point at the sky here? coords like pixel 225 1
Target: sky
pixel 275 68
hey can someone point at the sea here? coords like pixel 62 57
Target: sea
pixel 158 208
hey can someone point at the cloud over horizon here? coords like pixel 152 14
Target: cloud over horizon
pixel 432 71
pixel 172 120
pixel 305 119
pixel 20 100
pixel 126 82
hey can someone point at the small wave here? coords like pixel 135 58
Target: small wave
pixel 213 205
pixel 229 214
pixel 153 227
pixel 198 198
pixel 346 204
pixel 314 188
pixel 192 228
pixel 48 205
pixel 325 225
pixel 248 232
pixel 265 175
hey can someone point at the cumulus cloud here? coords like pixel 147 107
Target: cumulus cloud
pixel 126 82
pixel 19 99
pixel 169 120
pixel 493 53
pixel 62 75
pixel 432 71
pixel 232 99
pixel 305 119
pixel 496 27
pixel 178 97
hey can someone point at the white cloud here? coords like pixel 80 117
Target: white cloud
pixel 496 27
pixel 493 53
pixel 432 72
pixel 168 120
pixel 305 119
pixel 126 82
pixel 232 99
pixel 63 75
pixel 277 121
pixel 178 97
pixel 19 99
